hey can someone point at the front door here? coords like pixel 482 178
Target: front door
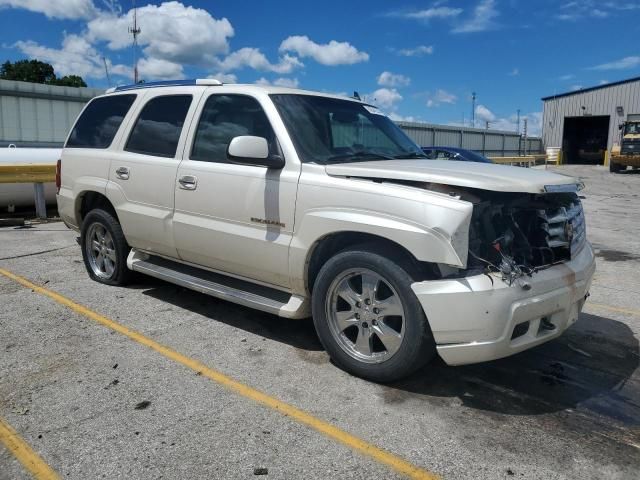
pixel 234 218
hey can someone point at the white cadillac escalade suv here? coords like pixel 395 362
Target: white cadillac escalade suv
pixel 306 204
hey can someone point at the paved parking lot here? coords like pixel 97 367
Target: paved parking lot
pixel 95 402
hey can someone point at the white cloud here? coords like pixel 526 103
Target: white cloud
pixel 170 31
pixel 385 97
pixel 482 19
pixel 575 88
pixel 433 12
pixel 484 114
pixel 332 53
pixel 157 69
pixel 509 124
pixel 622 64
pixel 566 78
pixel 65 9
pixel 418 51
pixel 224 77
pixel 254 58
pixel 584 9
pixel 401 118
pixel 440 97
pixel 515 72
pixel 76 57
pixel 279 82
pixel 388 79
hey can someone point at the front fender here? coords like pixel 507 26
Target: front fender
pixel 445 240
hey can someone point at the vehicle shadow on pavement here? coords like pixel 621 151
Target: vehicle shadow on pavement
pixel 297 333
pixel 594 360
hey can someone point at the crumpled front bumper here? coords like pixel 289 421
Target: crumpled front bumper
pixel 473 319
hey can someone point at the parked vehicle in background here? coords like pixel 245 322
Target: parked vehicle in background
pixel 454 153
pixel 627 154
pixel 306 204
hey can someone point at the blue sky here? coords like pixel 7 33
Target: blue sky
pixel 417 61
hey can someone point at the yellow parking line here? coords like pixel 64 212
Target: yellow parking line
pixel 25 454
pixel 394 462
pixel 628 311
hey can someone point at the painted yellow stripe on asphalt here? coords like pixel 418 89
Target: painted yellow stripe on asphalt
pixel 25 454
pixel 628 311
pixel 394 462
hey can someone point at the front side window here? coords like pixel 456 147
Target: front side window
pixel 225 117
pixel 330 130
pixel 157 130
pixel 99 122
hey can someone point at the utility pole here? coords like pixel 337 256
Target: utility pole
pixel 525 136
pixel 106 71
pixel 135 31
pixel 518 127
pixel 486 124
pixel 473 109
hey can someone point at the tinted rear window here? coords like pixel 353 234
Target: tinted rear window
pixel 100 121
pixel 159 125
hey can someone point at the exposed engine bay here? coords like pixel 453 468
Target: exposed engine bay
pixel 518 234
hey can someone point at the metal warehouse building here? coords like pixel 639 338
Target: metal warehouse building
pixel 584 123
pixel 35 115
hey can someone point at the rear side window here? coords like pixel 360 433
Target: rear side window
pixel 159 125
pixel 99 122
pixel 225 117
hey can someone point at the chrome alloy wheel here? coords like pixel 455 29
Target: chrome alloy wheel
pixel 100 250
pixel 365 315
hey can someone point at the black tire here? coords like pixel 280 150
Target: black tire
pixel 121 274
pixel 417 346
pixel 615 167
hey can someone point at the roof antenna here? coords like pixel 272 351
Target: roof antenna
pixel 135 31
pixel 106 71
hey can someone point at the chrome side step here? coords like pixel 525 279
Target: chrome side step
pixel 220 286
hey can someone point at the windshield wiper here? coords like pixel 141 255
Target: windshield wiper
pixel 411 155
pixel 361 155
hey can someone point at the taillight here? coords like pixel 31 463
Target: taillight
pixel 58 174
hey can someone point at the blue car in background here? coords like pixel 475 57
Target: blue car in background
pixel 454 153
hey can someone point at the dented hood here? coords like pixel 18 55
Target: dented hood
pixel 484 176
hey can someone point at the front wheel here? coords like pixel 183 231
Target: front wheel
pixel 104 248
pixel 368 318
pixel 615 167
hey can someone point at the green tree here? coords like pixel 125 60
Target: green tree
pixel 69 81
pixel 35 71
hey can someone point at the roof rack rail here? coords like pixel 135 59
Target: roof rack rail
pixel 167 83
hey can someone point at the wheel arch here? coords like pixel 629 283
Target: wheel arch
pixel 331 244
pixel 89 200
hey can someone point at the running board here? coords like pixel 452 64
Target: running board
pixel 220 286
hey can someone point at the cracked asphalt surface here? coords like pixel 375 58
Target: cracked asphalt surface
pixel 94 404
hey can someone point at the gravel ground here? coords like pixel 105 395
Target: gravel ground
pixel 70 387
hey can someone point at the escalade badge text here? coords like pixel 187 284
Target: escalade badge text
pixel 267 222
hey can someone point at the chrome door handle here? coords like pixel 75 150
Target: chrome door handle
pixel 122 173
pixel 188 182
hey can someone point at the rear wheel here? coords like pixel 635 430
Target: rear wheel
pixel 104 248
pixel 368 318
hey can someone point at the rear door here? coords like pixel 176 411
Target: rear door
pixel 143 171
pixel 234 218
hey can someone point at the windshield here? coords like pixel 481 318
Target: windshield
pixel 329 130
pixel 632 129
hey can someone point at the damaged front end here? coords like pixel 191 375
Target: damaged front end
pixel 517 234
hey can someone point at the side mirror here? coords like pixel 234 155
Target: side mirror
pixel 250 150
